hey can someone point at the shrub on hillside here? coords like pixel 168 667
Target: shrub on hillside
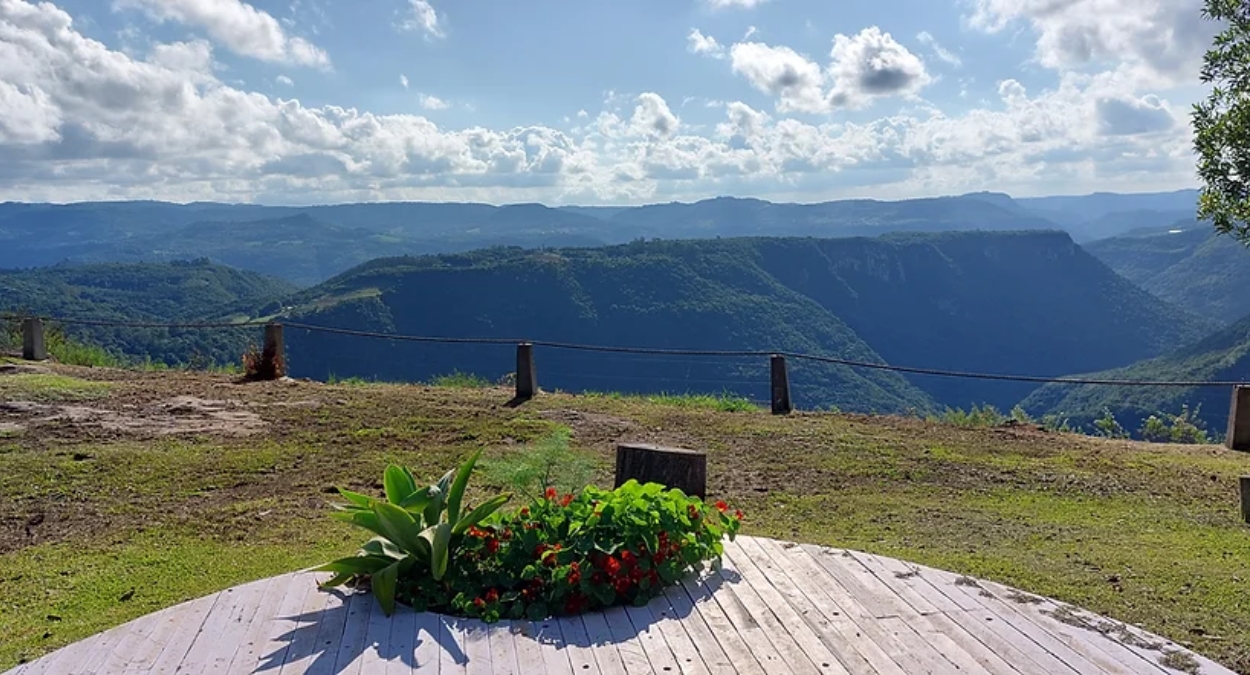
pixel 557 554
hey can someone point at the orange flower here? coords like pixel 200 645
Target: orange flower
pixel 568 499
pixel 722 506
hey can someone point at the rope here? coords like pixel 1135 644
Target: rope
pixel 660 351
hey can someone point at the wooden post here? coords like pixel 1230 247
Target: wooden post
pixel 273 354
pixel 1238 437
pixel 1245 499
pixel 781 386
pixel 678 468
pixel 34 347
pixel 526 377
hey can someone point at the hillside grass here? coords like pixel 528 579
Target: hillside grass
pixel 98 527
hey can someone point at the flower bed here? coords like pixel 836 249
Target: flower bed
pixel 558 554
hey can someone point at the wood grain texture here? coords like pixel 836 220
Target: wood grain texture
pixel 769 607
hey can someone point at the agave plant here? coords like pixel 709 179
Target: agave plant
pixel 414 528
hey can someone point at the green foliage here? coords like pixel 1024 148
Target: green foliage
pixel 547 462
pixel 459 380
pixel 1184 427
pixel 1222 122
pixel 416 529
pixel 1108 426
pixel 576 553
pixel 978 416
pixel 1020 416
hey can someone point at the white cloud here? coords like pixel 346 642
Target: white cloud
pixel 863 67
pixel 239 26
pixel 744 4
pixel 422 17
pixel 284 80
pixel 943 53
pixel 698 43
pixel 1160 41
pixel 79 120
pixel 872 64
pixel 403 80
pixel 432 102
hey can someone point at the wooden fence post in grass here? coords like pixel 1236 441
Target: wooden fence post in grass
pixel 780 386
pixel 1238 437
pixel 273 354
pixel 1245 499
pixel 34 347
pixel 678 468
pixel 526 377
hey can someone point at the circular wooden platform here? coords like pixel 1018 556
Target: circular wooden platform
pixel 773 607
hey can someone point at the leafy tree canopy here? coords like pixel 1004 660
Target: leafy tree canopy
pixel 1222 123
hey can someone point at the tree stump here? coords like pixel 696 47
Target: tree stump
pixel 678 468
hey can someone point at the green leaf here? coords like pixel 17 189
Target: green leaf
pixel 439 538
pixel 435 508
pixel 357 564
pixel 398 525
pixel 383 547
pixel 365 519
pixel 457 488
pixel 417 501
pixel 357 499
pixel 398 484
pixel 336 580
pixel 384 583
pixel 480 513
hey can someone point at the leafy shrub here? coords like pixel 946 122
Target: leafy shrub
pixel 556 555
pixel 459 380
pixel 1185 427
pixel 548 462
pixel 1108 426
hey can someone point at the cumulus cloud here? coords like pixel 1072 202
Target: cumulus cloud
pixel 79 120
pixel 284 81
pixel 698 43
pixel 432 102
pixel 238 26
pixel 862 68
pixel 422 17
pixel 941 52
pixel 1161 40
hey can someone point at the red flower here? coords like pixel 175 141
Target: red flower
pixel 622 585
pixel 539 549
pixel 551 493
pixel 525 511
pixel 658 558
pixel 568 499
pixel 653 576
pixel 628 557
pixel 575 578
pixel 479 603
pixel 492 595
pixel 692 512
pixel 507 533
pixel 612 566
pixel 738 514
pixel 635 574
pixel 492 546
pixel 722 506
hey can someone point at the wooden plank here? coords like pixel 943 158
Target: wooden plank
pixel 990 658
pixel 793 654
pixel 452 657
pixel 599 636
pixel 312 645
pixel 230 641
pixel 56 661
pixel 476 647
pixel 704 638
pixel 551 643
pixel 858 651
pixel 256 634
pixel 622 632
pixel 652 641
pixel 675 635
pixel 426 626
pixel 905 579
pixel 352 640
pixel 502 648
pixel 401 642
pixel 776 603
pixel 529 652
pixel 880 599
pixel 908 650
pixel 577 643
pixel 1025 655
pixel 752 634
pixel 377 643
pixel 731 643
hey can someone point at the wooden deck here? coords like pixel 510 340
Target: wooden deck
pixel 774 607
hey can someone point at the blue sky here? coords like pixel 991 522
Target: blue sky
pixel 311 101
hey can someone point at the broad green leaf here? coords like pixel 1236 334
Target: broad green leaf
pixel 398 484
pixel 398 525
pixel 384 583
pixel 336 580
pixel 439 538
pixel 435 508
pixel 366 519
pixel 481 512
pixel 417 501
pixel 457 488
pixel 357 499
pixel 358 564
pixel 382 546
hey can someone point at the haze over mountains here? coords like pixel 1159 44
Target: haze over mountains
pixel 980 282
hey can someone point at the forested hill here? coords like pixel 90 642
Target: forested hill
pixel 1185 263
pixel 1026 302
pixel 176 292
pixel 1222 356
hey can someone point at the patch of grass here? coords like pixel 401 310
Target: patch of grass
pixel 722 402
pixel 459 380
pixel 74 353
pixel 51 387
